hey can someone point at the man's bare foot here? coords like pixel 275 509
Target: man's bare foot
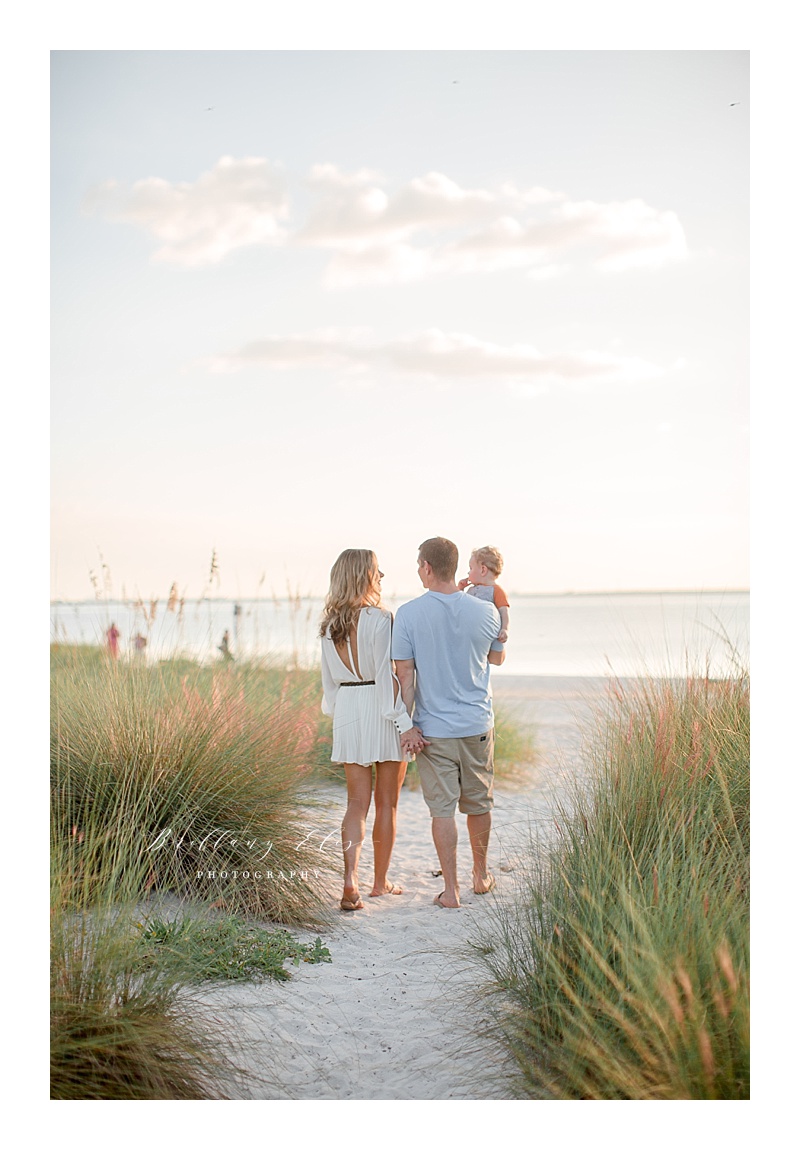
pixel 388 888
pixel 483 885
pixel 445 901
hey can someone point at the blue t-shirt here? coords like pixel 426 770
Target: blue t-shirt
pixel 449 638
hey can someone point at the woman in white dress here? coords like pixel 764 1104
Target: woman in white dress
pixel 362 694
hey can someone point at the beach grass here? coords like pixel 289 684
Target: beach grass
pixel 204 773
pixel 171 754
pixel 118 1030
pixel 622 970
pixel 514 745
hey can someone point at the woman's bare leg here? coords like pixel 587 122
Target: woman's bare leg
pixel 354 824
pixel 388 783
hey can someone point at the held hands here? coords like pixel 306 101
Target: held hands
pixel 412 741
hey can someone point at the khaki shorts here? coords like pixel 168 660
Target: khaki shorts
pixel 458 771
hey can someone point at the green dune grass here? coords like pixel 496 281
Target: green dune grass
pixel 162 776
pixel 623 971
pixel 199 771
pixel 119 1030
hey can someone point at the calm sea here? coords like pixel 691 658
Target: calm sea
pixel 674 633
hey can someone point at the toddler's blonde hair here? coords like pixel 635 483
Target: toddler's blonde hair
pixel 490 557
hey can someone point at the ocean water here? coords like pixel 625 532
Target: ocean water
pixel 653 633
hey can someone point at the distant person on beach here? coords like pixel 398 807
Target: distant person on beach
pixel 225 647
pixel 442 644
pixel 485 564
pixel 139 645
pixel 362 694
pixel 112 640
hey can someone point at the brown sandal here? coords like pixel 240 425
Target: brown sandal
pixel 351 904
pixel 438 902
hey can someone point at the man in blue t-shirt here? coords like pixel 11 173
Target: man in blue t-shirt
pixel 442 644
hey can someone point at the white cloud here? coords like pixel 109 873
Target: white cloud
pixel 547 272
pixel 354 214
pixel 433 355
pixel 430 226
pixel 618 236
pixel 237 204
pixel 329 174
pixel 384 263
pixel 629 234
pixel 328 348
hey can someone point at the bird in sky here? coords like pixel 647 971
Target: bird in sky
pixel 735 102
pixel 209 109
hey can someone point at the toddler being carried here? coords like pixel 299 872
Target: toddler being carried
pixel 485 564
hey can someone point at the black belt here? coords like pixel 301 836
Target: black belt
pixel 359 683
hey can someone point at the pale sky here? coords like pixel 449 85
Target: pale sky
pixel 309 300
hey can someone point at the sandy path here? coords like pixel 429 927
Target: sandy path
pixel 396 1015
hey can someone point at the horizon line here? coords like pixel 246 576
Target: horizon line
pixel 398 594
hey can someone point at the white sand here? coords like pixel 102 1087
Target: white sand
pixel 397 1013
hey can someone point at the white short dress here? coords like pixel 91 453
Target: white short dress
pixel 369 717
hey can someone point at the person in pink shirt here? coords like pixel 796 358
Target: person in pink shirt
pixel 112 638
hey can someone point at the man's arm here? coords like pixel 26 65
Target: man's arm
pixel 503 636
pixel 411 740
pixel 404 669
pixel 496 657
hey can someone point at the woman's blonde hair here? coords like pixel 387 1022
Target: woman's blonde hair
pixel 354 584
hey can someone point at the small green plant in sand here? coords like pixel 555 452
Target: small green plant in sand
pixel 228 949
pixel 622 972
pixel 203 773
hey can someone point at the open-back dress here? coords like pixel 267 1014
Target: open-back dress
pixel 369 714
